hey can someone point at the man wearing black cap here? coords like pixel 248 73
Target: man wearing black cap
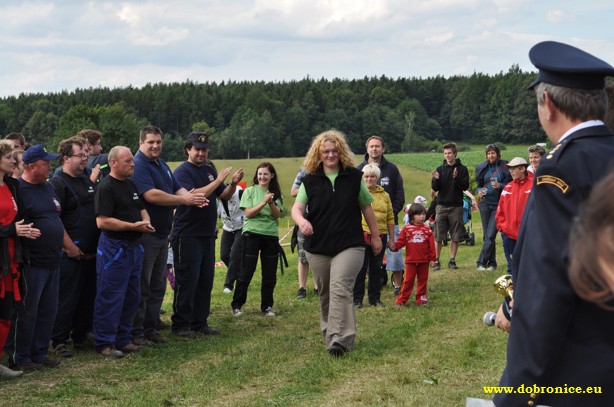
pixel 193 238
pixel 558 341
pixel 32 326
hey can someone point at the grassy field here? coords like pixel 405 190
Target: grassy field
pixel 413 356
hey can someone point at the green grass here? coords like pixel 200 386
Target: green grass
pixel 429 161
pixel 414 356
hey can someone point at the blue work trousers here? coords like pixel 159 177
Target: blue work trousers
pixel 118 291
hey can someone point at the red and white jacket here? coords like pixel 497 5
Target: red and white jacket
pixel 511 206
pixel 418 242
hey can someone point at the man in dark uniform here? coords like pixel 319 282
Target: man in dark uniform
pixel 78 264
pixel 193 238
pixel 161 193
pixel 559 344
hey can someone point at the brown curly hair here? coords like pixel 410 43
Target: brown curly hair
pixel 313 158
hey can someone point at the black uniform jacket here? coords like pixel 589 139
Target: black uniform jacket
pixel 556 339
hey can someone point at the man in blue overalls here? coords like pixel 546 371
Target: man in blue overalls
pixel 121 216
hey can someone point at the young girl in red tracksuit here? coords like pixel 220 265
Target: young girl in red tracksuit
pixel 417 238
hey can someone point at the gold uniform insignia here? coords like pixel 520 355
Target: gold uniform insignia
pixel 554 150
pixel 557 182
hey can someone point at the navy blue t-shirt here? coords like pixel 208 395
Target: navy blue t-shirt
pixel 191 220
pixel 149 174
pixel 41 206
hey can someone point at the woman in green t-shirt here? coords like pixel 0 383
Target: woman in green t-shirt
pixel 262 204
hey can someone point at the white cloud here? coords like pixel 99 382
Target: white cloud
pixel 555 16
pixel 439 38
pixel 63 44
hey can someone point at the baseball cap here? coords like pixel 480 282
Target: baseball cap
pixel 199 139
pixel 37 152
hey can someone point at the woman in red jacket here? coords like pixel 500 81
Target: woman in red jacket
pixel 12 228
pixel 511 206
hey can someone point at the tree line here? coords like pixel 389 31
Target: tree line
pixel 279 119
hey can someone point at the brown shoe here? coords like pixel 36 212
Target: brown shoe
pixel 156 339
pixel 131 348
pixel 162 326
pixel 142 342
pixel 111 353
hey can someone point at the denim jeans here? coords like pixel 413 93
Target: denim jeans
pixel 508 247
pixel 194 271
pixel 488 255
pixel 32 324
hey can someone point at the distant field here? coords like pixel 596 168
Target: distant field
pixel 415 169
pixel 430 161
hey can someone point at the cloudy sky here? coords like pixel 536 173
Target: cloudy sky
pixel 50 46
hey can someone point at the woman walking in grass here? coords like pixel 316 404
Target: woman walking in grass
pixel 262 204
pixel 334 242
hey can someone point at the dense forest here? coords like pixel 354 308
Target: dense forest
pixel 270 119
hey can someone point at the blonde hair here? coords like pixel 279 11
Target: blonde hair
pixel 372 169
pixel 6 147
pixel 313 157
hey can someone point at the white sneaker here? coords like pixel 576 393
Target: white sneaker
pixel 227 290
pixel 268 312
pixel 6 372
pixel 237 312
pixel 481 268
pixel 490 268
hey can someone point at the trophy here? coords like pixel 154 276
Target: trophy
pixel 504 286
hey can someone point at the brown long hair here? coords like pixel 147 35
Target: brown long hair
pixel 274 183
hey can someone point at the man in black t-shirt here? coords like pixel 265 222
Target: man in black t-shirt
pixel 121 216
pixel 78 264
